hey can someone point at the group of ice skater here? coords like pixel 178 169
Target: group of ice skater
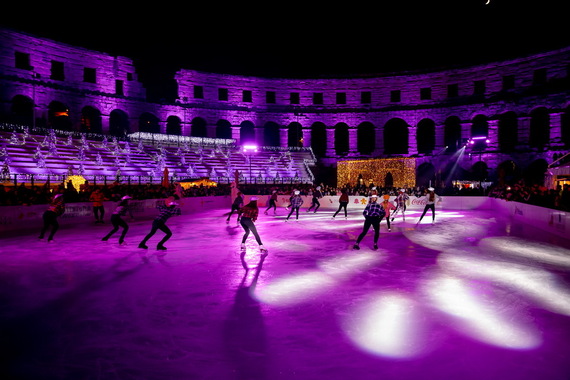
pixel 247 215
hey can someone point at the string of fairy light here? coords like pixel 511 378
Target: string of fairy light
pixel 402 170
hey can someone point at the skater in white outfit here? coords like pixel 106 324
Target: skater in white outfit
pixel 401 200
pixel 431 198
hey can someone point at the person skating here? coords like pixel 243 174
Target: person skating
pixel 315 200
pixel 117 220
pixel 401 200
pixel 388 207
pixel 431 198
pixel 249 214
pixel 296 203
pixel 373 214
pixel 342 203
pixel 55 209
pixel 272 203
pixel 97 197
pixel 159 223
pixel 236 206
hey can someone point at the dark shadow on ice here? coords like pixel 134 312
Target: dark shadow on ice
pixel 244 329
pixel 31 343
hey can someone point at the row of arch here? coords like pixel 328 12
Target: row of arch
pixel 395 138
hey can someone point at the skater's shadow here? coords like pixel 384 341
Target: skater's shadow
pixel 232 230
pixel 245 338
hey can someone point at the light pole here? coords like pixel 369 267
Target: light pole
pixel 249 150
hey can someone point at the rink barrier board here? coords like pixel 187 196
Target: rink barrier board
pixel 29 218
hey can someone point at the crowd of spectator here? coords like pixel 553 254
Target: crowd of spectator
pixel 22 194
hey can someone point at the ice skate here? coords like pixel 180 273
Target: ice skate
pixel 242 246
pixel 263 250
pixel 356 246
pixel 143 246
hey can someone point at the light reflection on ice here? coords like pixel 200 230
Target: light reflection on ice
pixel 477 318
pixel 386 325
pixel 542 252
pixel 535 283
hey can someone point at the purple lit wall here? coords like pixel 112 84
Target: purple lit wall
pixel 393 113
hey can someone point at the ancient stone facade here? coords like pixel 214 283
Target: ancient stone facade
pixel 520 107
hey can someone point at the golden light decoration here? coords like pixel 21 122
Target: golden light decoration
pixel 76 181
pixel 403 171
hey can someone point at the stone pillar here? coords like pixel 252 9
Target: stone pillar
pixel 465 133
pixel 524 132
pixel 105 124
pixel 413 140
pixel 211 130
pixel 439 137
pixel 283 137
pixel 493 135
pixel 306 137
pixel 330 151
pixel 556 130
pixel 352 142
pixel 235 134
pixel 259 138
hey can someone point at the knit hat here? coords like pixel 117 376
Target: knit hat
pixel 253 199
pixel 403 190
pixel 374 196
pixel 126 197
pixel 431 189
pixel 173 203
pixel 297 192
pixel 386 196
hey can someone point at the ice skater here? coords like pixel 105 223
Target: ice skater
pixel 401 200
pixel 117 220
pixel 342 203
pixel 236 206
pixel 97 197
pixel 159 223
pixel 315 200
pixel 249 215
pixel 272 203
pixel 388 207
pixel 296 203
pixel 431 198
pixel 55 209
pixel 373 214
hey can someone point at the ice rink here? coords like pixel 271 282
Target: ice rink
pixel 474 296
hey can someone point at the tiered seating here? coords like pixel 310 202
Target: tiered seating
pixel 60 156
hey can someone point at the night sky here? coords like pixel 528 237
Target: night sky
pixel 301 39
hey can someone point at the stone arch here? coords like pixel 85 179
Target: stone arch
pixel 365 138
pixel 425 173
pixel 539 134
pixel 479 171
pixel 91 121
pixel 341 139
pixel 425 136
pixel 58 116
pixel 21 110
pixel 294 134
pixel 223 129
pixel 396 135
pixel 198 127
pixel 507 131
pixel 452 133
pixel 535 172
pixel 247 132
pixel 149 123
pixel 480 126
pixel 119 123
pixel 271 134
pixel 508 172
pixel 173 125
pixel 319 138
